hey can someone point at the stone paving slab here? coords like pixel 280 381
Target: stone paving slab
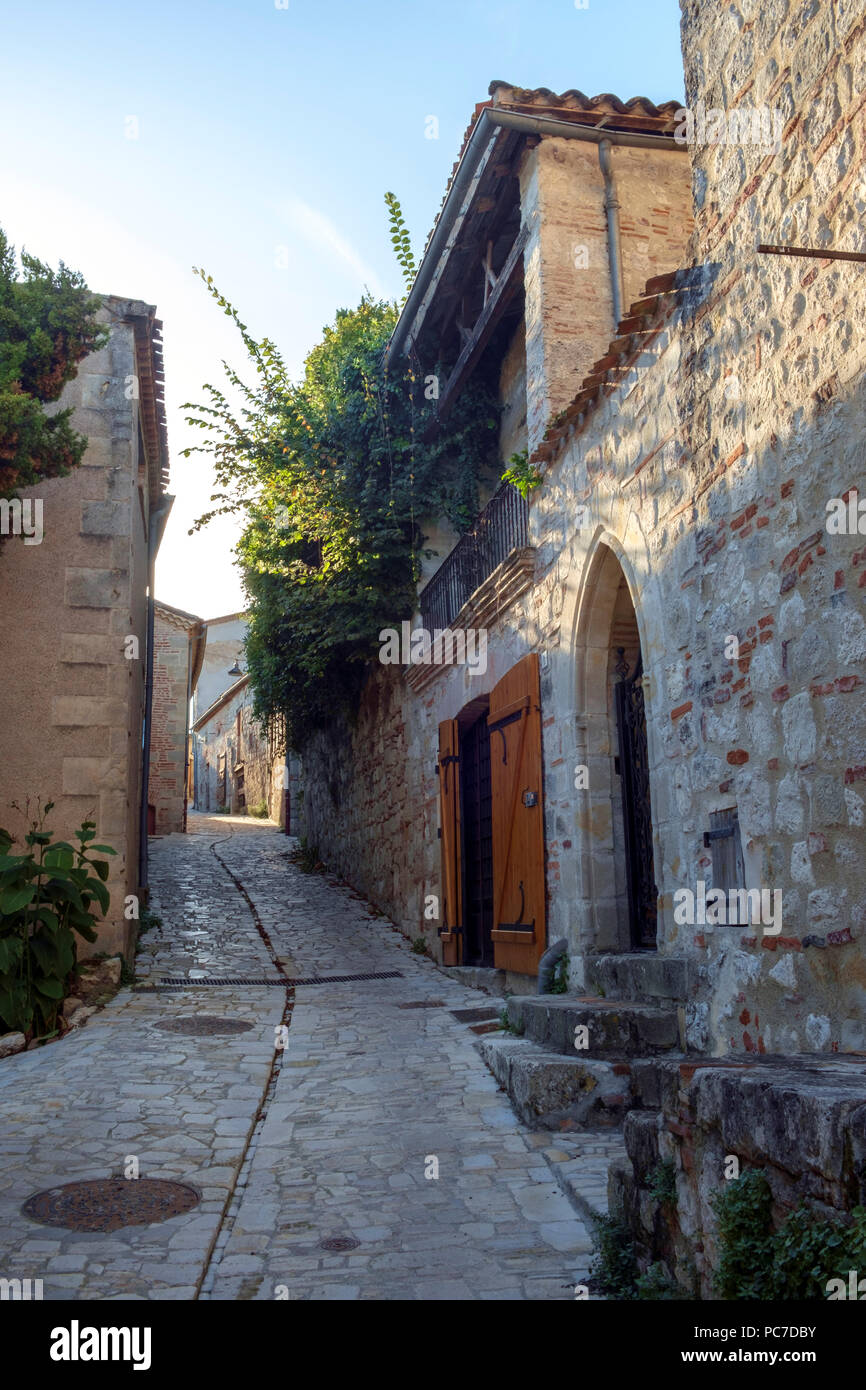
pixel 333 1137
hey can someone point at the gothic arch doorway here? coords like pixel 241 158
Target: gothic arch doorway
pixel 620 908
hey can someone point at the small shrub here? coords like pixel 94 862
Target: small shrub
pixel 306 858
pixel 419 946
pixel 663 1183
pixel 260 811
pixel 47 896
pixel 614 1269
pixel 657 1284
pixel 793 1262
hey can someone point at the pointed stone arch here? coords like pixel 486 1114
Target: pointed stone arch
pixel 604 622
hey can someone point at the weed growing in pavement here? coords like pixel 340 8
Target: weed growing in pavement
pixel 419 946
pixel 306 858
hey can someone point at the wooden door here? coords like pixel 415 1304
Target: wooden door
pixel 519 913
pixel 451 907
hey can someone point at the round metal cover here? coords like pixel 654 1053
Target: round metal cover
pixel 200 1025
pixel 107 1204
pixel 338 1243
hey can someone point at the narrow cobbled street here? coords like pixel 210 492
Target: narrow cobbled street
pixel 376 1129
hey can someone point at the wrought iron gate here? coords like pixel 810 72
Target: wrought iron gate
pixel 636 807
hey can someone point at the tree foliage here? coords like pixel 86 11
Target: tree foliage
pixel 334 473
pixel 47 325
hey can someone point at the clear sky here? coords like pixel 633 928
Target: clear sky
pixel 142 138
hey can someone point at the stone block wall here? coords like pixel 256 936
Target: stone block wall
pixel 168 743
pixel 801 1123
pixel 72 699
pixel 702 478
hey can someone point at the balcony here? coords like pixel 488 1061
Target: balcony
pixel 491 564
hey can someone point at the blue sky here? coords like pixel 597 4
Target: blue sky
pixel 258 142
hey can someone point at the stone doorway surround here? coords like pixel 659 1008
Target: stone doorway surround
pixel 604 610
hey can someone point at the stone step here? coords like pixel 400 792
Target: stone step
pixel 642 978
pixel 550 1091
pixel 616 1028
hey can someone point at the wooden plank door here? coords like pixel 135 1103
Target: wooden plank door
pixel 451 907
pixel 519 920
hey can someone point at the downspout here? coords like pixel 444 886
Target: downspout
pixel 611 207
pixel 156 529
pixel 547 964
pixel 487 125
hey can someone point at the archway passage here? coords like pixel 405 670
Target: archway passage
pixel 619 888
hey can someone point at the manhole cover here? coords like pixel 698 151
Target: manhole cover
pixel 204 1024
pixel 106 1204
pixel 423 1004
pixel 339 1243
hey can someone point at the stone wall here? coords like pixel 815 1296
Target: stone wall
pixel 71 688
pixel 168 742
pixel 802 1124
pixel 700 477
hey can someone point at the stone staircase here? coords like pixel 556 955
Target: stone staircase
pixel 637 1010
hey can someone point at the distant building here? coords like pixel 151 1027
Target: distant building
pixel 178 647
pixel 237 766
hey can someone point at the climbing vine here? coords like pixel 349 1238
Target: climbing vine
pixel 332 473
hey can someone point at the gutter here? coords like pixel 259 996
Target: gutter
pixel 488 125
pixel 156 529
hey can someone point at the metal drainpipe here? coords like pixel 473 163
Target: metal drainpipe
pixel 611 207
pixel 157 520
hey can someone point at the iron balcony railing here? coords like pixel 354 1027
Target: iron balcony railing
pixel 500 529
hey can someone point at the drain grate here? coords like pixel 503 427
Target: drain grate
pixel 338 1243
pixel 423 1004
pixel 107 1204
pixel 204 1025
pixel 176 981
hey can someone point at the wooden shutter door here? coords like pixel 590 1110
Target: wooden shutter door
pixel 519 921
pixel 449 820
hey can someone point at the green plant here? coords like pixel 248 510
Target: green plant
pixel 521 474
pixel 46 897
pixel 518 1029
pixel 794 1261
pixel 400 240
pixel 663 1182
pixel 656 1283
pixel 260 811
pixel 306 858
pixel 560 976
pixel 419 946
pixel 47 325
pixel 614 1270
pixel 333 474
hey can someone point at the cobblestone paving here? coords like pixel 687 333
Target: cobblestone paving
pixel 330 1137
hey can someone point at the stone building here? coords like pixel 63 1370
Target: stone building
pixel 178 651
pixel 240 768
pixel 221 664
pixel 675 626
pixel 75 614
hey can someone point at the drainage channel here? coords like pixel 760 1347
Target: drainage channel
pixel 222 1235
pixel 176 982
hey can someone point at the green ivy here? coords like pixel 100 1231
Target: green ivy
pixel 334 474
pixel 400 240
pixel 46 897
